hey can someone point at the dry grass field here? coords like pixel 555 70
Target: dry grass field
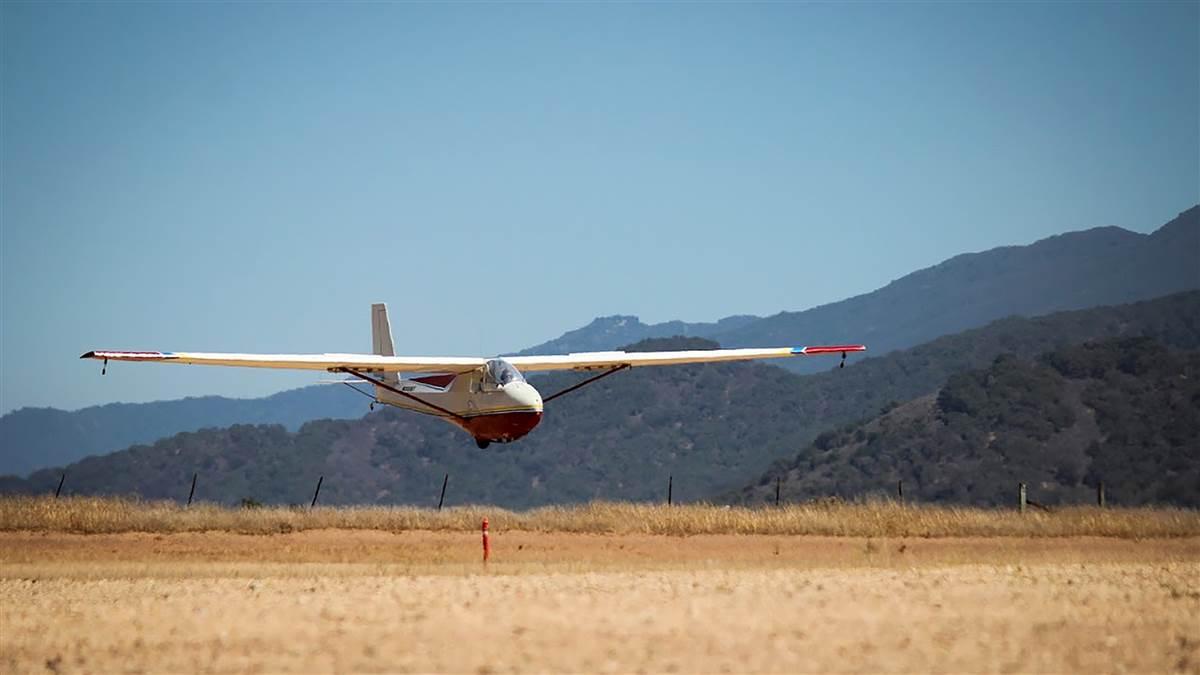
pixel 108 586
pixel 95 515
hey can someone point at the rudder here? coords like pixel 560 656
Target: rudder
pixel 381 338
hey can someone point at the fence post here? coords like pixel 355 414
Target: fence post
pixel 317 492
pixel 192 493
pixel 1021 497
pixel 778 481
pixel 670 487
pixel 900 489
pixel 1100 494
pixel 443 497
pixel 60 484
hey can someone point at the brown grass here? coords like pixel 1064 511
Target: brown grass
pixel 94 515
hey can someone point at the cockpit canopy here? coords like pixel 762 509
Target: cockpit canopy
pixel 500 372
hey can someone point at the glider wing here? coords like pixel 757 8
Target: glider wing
pixel 330 362
pixel 600 360
pixel 462 364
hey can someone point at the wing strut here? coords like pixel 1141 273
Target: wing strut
pixel 385 385
pixel 547 399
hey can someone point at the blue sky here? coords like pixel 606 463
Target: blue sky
pixel 250 177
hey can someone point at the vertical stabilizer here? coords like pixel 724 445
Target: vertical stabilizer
pixel 381 338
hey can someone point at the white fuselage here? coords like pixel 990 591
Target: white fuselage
pixel 494 403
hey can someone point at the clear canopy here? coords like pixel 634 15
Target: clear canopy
pixel 502 372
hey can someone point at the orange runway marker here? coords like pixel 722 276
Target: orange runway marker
pixel 487 544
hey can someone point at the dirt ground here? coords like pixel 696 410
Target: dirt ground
pixel 423 602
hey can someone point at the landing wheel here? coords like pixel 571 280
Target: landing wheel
pixel 482 444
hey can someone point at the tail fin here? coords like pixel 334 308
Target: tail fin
pixel 381 338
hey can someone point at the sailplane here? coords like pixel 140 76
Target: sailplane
pixel 487 397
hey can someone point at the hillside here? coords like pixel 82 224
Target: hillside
pixel 712 427
pixel 1075 270
pixel 34 438
pixel 1102 266
pixel 1123 411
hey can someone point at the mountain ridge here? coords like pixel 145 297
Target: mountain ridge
pixel 49 436
pixel 1072 270
pixel 1171 270
pixel 608 332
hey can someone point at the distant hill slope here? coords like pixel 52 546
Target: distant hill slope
pixel 1102 266
pixel 34 438
pixel 1123 411
pixel 610 332
pixel 714 428
pixel 1076 270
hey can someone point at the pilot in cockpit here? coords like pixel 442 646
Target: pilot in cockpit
pixel 500 372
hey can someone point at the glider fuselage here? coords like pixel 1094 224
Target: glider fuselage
pixel 494 404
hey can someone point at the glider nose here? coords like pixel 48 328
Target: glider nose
pixel 523 395
pixel 521 412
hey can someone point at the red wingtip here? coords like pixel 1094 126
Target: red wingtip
pixel 834 349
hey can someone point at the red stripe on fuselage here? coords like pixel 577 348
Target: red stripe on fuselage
pixel 442 381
